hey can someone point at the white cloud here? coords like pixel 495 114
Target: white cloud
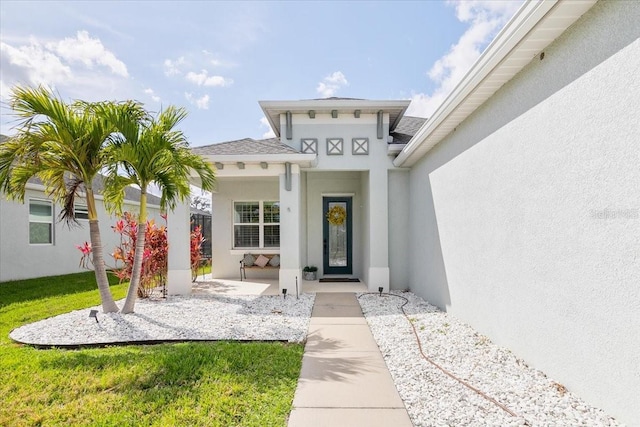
pixel 32 64
pixel 152 94
pixel 485 19
pixel 88 51
pixel 202 103
pixel 331 84
pixel 269 133
pixel 81 67
pixel 172 68
pixel 203 79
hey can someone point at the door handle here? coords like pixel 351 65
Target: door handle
pixel 325 246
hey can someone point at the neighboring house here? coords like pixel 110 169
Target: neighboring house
pixel 33 243
pixel 515 206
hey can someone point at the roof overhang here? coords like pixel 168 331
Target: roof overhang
pixel 256 165
pixel 536 25
pixel 273 109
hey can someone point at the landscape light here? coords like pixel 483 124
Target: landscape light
pixel 94 314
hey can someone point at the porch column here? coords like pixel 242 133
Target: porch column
pixel 179 262
pixel 290 231
pixel 378 273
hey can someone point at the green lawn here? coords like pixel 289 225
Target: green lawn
pixel 221 384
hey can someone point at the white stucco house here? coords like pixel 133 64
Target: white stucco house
pixel 516 206
pixel 33 243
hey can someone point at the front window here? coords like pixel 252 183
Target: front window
pixel 40 222
pixel 256 224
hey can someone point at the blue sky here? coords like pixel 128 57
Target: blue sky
pixel 218 59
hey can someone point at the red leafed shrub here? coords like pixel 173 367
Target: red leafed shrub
pixel 156 249
pixel 154 259
pixel 196 250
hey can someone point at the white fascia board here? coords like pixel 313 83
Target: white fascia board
pixel 526 19
pixel 393 149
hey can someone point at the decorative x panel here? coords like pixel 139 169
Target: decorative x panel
pixel 310 146
pixel 334 146
pixel 360 146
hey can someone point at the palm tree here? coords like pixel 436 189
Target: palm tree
pixel 149 150
pixel 63 145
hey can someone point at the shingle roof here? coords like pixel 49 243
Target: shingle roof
pixel 130 193
pixel 407 127
pixel 246 146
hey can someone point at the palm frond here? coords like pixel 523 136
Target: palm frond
pixel 68 207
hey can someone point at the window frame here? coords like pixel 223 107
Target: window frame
pixel 260 224
pixel 51 222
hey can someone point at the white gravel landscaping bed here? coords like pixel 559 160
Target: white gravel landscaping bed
pixel 434 399
pixel 212 317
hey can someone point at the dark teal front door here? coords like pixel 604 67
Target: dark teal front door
pixel 337 235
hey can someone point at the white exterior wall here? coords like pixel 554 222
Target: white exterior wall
pixel 525 221
pixel 225 259
pixel 21 260
pixel 399 229
pixel 370 210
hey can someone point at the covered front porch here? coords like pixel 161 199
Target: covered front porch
pixel 205 285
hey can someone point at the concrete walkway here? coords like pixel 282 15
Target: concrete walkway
pixel 344 380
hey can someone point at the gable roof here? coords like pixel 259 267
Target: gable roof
pixel 534 26
pixel 245 146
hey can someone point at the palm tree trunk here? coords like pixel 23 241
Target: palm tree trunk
pixel 108 304
pixel 132 292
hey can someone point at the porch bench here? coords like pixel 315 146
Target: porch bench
pixel 244 266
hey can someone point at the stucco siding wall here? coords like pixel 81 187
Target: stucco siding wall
pixel 525 221
pixel 399 229
pixel 21 260
pixel 225 260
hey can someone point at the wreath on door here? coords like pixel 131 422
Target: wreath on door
pixel 336 215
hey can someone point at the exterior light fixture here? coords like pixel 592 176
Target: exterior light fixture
pixel 284 293
pixel 356 114
pixel 94 314
pixel 264 165
pixel 240 165
pixel 219 166
pixel 380 289
pixel 312 114
pixel 334 114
